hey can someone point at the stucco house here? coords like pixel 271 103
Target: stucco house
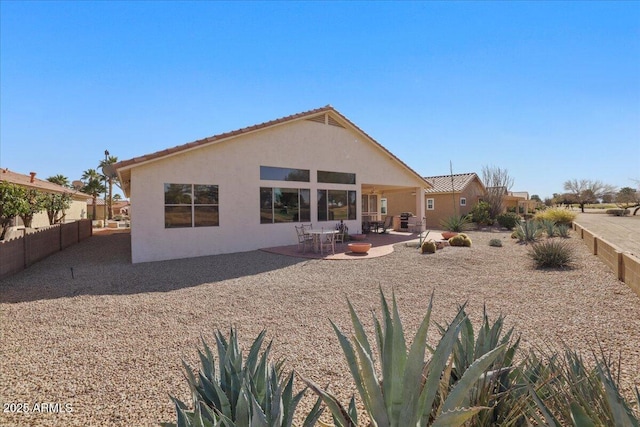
pixel 77 210
pixel 444 195
pixel 246 189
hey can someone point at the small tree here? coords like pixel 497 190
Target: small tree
pixel 33 201
pixel 627 197
pixel 498 183
pixel 11 197
pixel 586 191
pixel 55 204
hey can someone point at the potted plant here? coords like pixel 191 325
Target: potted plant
pixel 455 224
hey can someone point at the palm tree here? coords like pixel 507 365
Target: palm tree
pixel 109 179
pixel 92 186
pixel 60 180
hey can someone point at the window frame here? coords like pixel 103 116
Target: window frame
pixel 192 206
pixel 433 204
pixel 463 201
pixel 300 205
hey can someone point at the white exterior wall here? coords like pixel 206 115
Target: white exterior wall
pixel 234 165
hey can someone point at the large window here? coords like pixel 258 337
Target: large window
pixel 190 205
pixel 284 205
pixel 336 177
pixel 336 204
pixel 270 173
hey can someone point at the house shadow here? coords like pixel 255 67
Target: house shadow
pixel 101 265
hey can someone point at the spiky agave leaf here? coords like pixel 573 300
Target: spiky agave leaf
pixel 341 416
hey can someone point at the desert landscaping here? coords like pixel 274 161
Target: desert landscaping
pixel 109 342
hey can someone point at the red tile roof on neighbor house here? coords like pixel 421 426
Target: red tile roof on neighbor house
pixel 442 184
pixel 30 181
pixel 127 164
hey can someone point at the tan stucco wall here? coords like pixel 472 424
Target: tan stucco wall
pixel 234 165
pixel 443 204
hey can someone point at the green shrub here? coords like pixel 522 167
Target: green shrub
pixel 528 231
pixel 480 214
pixel 559 216
pixel 508 220
pixel 496 243
pixel 551 254
pixel 617 212
pixel 429 247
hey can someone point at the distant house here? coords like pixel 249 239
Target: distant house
pixel 246 189
pixel 445 198
pixel 120 208
pixel 519 202
pixel 77 210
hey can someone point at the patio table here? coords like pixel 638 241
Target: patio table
pixel 317 237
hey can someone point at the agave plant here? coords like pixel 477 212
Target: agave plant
pixel 498 388
pixel 566 392
pixel 240 392
pixel 406 391
pixel 456 223
pixel 528 231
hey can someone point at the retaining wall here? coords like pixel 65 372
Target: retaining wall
pixel 624 265
pixel 19 253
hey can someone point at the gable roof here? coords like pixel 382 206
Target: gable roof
pixel 326 114
pixel 442 183
pixel 30 181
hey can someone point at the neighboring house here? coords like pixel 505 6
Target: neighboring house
pixel 244 190
pixel 445 198
pixel 77 210
pixel 120 208
pixel 519 202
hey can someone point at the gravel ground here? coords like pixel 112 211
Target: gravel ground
pixel 108 343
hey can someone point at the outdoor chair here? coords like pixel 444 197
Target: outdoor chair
pixel 388 221
pixel 328 241
pixel 304 239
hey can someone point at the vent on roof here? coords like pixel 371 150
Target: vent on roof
pixel 318 119
pixel 333 122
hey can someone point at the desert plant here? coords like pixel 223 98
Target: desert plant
pixel 508 220
pixel 549 227
pixel 242 392
pixel 559 216
pixel 498 390
pixel 480 213
pixel 408 390
pixel 563 230
pixel 429 247
pixel 460 240
pixel 565 391
pixel 495 242
pixel 551 254
pixel 456 223
pixel 528 231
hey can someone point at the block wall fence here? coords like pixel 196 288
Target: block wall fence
pixel 19 253
pixel 624 265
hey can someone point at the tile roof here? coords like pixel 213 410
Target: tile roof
pixel 442 184
pixel 127 164
pixel 31 181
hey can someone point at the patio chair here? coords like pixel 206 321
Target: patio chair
pixel 388 221
pixel 328 241
pixel 304 239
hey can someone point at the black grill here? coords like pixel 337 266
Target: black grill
pixel 404 219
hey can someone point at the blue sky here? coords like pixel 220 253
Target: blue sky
pixel 548 90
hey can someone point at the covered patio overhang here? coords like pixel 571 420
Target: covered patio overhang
pixel 375 207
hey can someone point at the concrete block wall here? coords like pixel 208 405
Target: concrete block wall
pixel 611 255
pixel 624 265
pixel 631 271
